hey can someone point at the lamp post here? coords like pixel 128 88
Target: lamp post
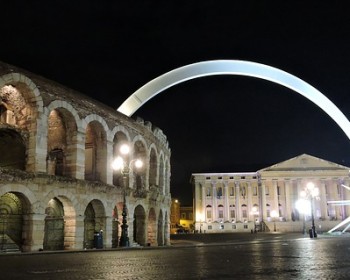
pixel 124 165
pixel 311 192
pixel 274 215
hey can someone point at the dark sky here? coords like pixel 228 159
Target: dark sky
pixel 108 49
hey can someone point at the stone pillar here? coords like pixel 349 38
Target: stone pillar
pixel 226 204
pixel 238 202
pixel 80 156
pixel 275 205
pixel 323 202
pixel 204 206
pixel 215 206
pixel 37 146
pixel 107 235
pixel 289 201
pixel 110 158
pixel 249 199
pixel 37 224
pixel 79 233
pixel 263 202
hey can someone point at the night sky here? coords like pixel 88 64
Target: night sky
pixel 109 49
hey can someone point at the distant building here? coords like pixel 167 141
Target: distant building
pixel 186 218
pixel 174 215
pixel 267 199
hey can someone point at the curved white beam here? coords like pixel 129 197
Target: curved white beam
pixel 233 67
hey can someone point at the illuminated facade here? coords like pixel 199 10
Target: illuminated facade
pixel 266 200
pixel 57 186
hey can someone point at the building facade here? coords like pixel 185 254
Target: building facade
pixel 57 186
pixel 267 200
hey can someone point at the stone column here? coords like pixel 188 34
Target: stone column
pixel 323 202
pixel 79 233
pixel 215 206
pixel 107 235
pixel 263 202
pixel 80 156
pixel 249 199
pixel 110 158
pixel 238 203
pixel 204 199
pixel 288 200
pixel 226 204
pixel 275 196
pixel 36 241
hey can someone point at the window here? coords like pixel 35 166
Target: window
pixel 232 213
pixel 219 192
pixel 221 226
pixel 255 191
pixel 245 226
pixel 210 227
pixel 221 214
pixel 208 191
pixel 232 191
pixel 183 216
pixel 208 214
pixel 233 226
pixel 244 213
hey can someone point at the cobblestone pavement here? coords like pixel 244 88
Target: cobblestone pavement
pixel 250 257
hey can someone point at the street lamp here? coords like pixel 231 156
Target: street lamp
pixel 274 215
pixel 311 192
pixel 124 165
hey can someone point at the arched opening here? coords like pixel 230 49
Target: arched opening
pixel 94 222
pixel 61 143
pixel 12 149
pixel 140 225
pixel 60 224
pixel 140 174
pixel 152 228
pixel 160 231
pixel 166 230
pixel 54 226
pixel 153 165
pixel 95 152
pixel 15 225
pixel 118 140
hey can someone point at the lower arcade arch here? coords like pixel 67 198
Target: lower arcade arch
pixel 15 224
pixel 60 224
pixel 139 225
pixel 94 223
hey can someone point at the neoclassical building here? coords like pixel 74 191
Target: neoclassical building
pixel 57 186
pixel 268 199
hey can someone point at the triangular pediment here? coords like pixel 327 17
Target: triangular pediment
pixel 305 162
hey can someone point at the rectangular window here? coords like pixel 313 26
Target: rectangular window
pixel 221 226
pixel 245 226
pixel 233 226
pixel 255 191
pixel 183 216
pixel 268 213
pixel 208 214
pixel 209 227
pixel 221 214
pixel 208 192
pixel 244 213
pixel 232 213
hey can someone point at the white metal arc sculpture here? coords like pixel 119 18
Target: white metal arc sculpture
pixel 233 67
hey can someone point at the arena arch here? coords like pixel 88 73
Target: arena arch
pixel 233 67
pixel 139 225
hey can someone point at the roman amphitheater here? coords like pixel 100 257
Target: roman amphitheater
pixel 57 186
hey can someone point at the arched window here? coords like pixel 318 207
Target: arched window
pixel 209 212
pixel 220 211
